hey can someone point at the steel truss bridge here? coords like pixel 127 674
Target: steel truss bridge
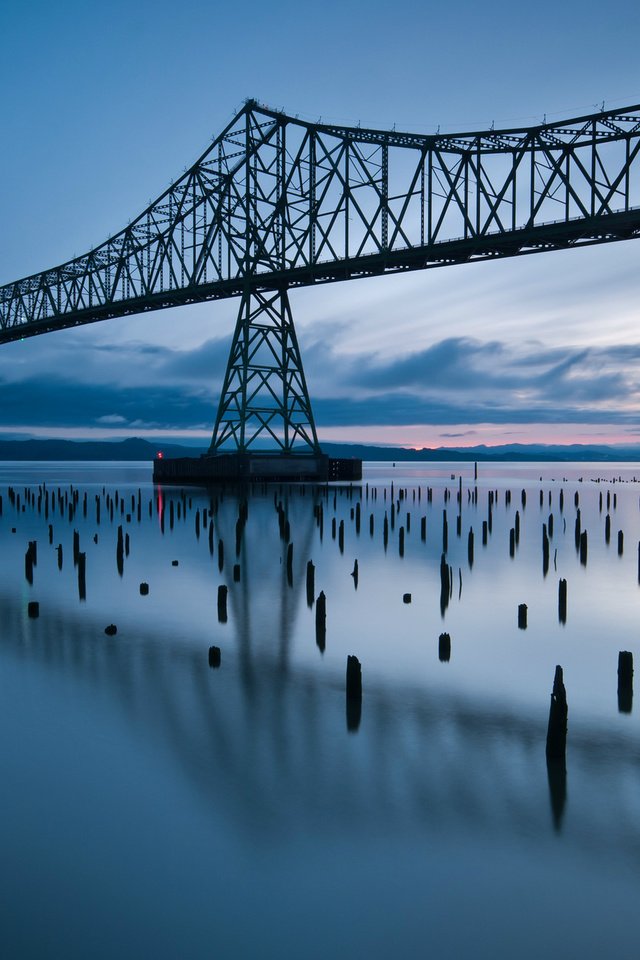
pixel 276 202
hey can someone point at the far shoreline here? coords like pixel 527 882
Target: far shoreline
pixel 136 449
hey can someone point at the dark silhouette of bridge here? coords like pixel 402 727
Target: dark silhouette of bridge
pixel 276 202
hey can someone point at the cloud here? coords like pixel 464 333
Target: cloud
pixel 69 380
pixel 111 419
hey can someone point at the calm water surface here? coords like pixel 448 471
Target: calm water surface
pixel 151 806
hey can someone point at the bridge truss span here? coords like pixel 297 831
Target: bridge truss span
pixel 276 202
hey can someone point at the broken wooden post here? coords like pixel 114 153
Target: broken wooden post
pixel 558 712
pixel 215 657
pixel 354 678
pixel 144 589
pixel 620 542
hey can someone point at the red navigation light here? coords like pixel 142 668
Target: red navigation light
pixel 160 454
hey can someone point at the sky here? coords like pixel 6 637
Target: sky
pixel 104 103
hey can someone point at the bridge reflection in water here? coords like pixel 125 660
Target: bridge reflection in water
pixel 239 797
pixel 255 729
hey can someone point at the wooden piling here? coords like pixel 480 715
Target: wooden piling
pixel 354 679
pixel 82 576
pixel 444 648
pixel 625 681
pixel 583 548
pixel 562 601
pixel 222 603
pixel 353 699
pixel 522 616
pixel 558 713
pixel 215 657
pixel 290 564
pixel 311 578
pixel 321 621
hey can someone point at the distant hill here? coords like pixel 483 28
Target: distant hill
pixel 136 448
pixel 133 449
pixel 506 452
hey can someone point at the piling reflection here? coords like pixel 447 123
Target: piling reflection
pixel 557 775
pixel 265 734
pixel 253 737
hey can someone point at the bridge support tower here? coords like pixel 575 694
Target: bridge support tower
pixel 264 393
pixel 264 427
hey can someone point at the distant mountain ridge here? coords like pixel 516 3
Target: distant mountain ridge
pixel 135 448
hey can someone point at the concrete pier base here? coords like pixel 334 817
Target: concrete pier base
pixel 277 467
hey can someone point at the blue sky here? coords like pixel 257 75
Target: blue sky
pixel 103 104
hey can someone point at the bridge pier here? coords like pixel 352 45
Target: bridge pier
pixel 265 399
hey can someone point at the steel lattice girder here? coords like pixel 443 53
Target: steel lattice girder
pixel 264 394
pixel 277 202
